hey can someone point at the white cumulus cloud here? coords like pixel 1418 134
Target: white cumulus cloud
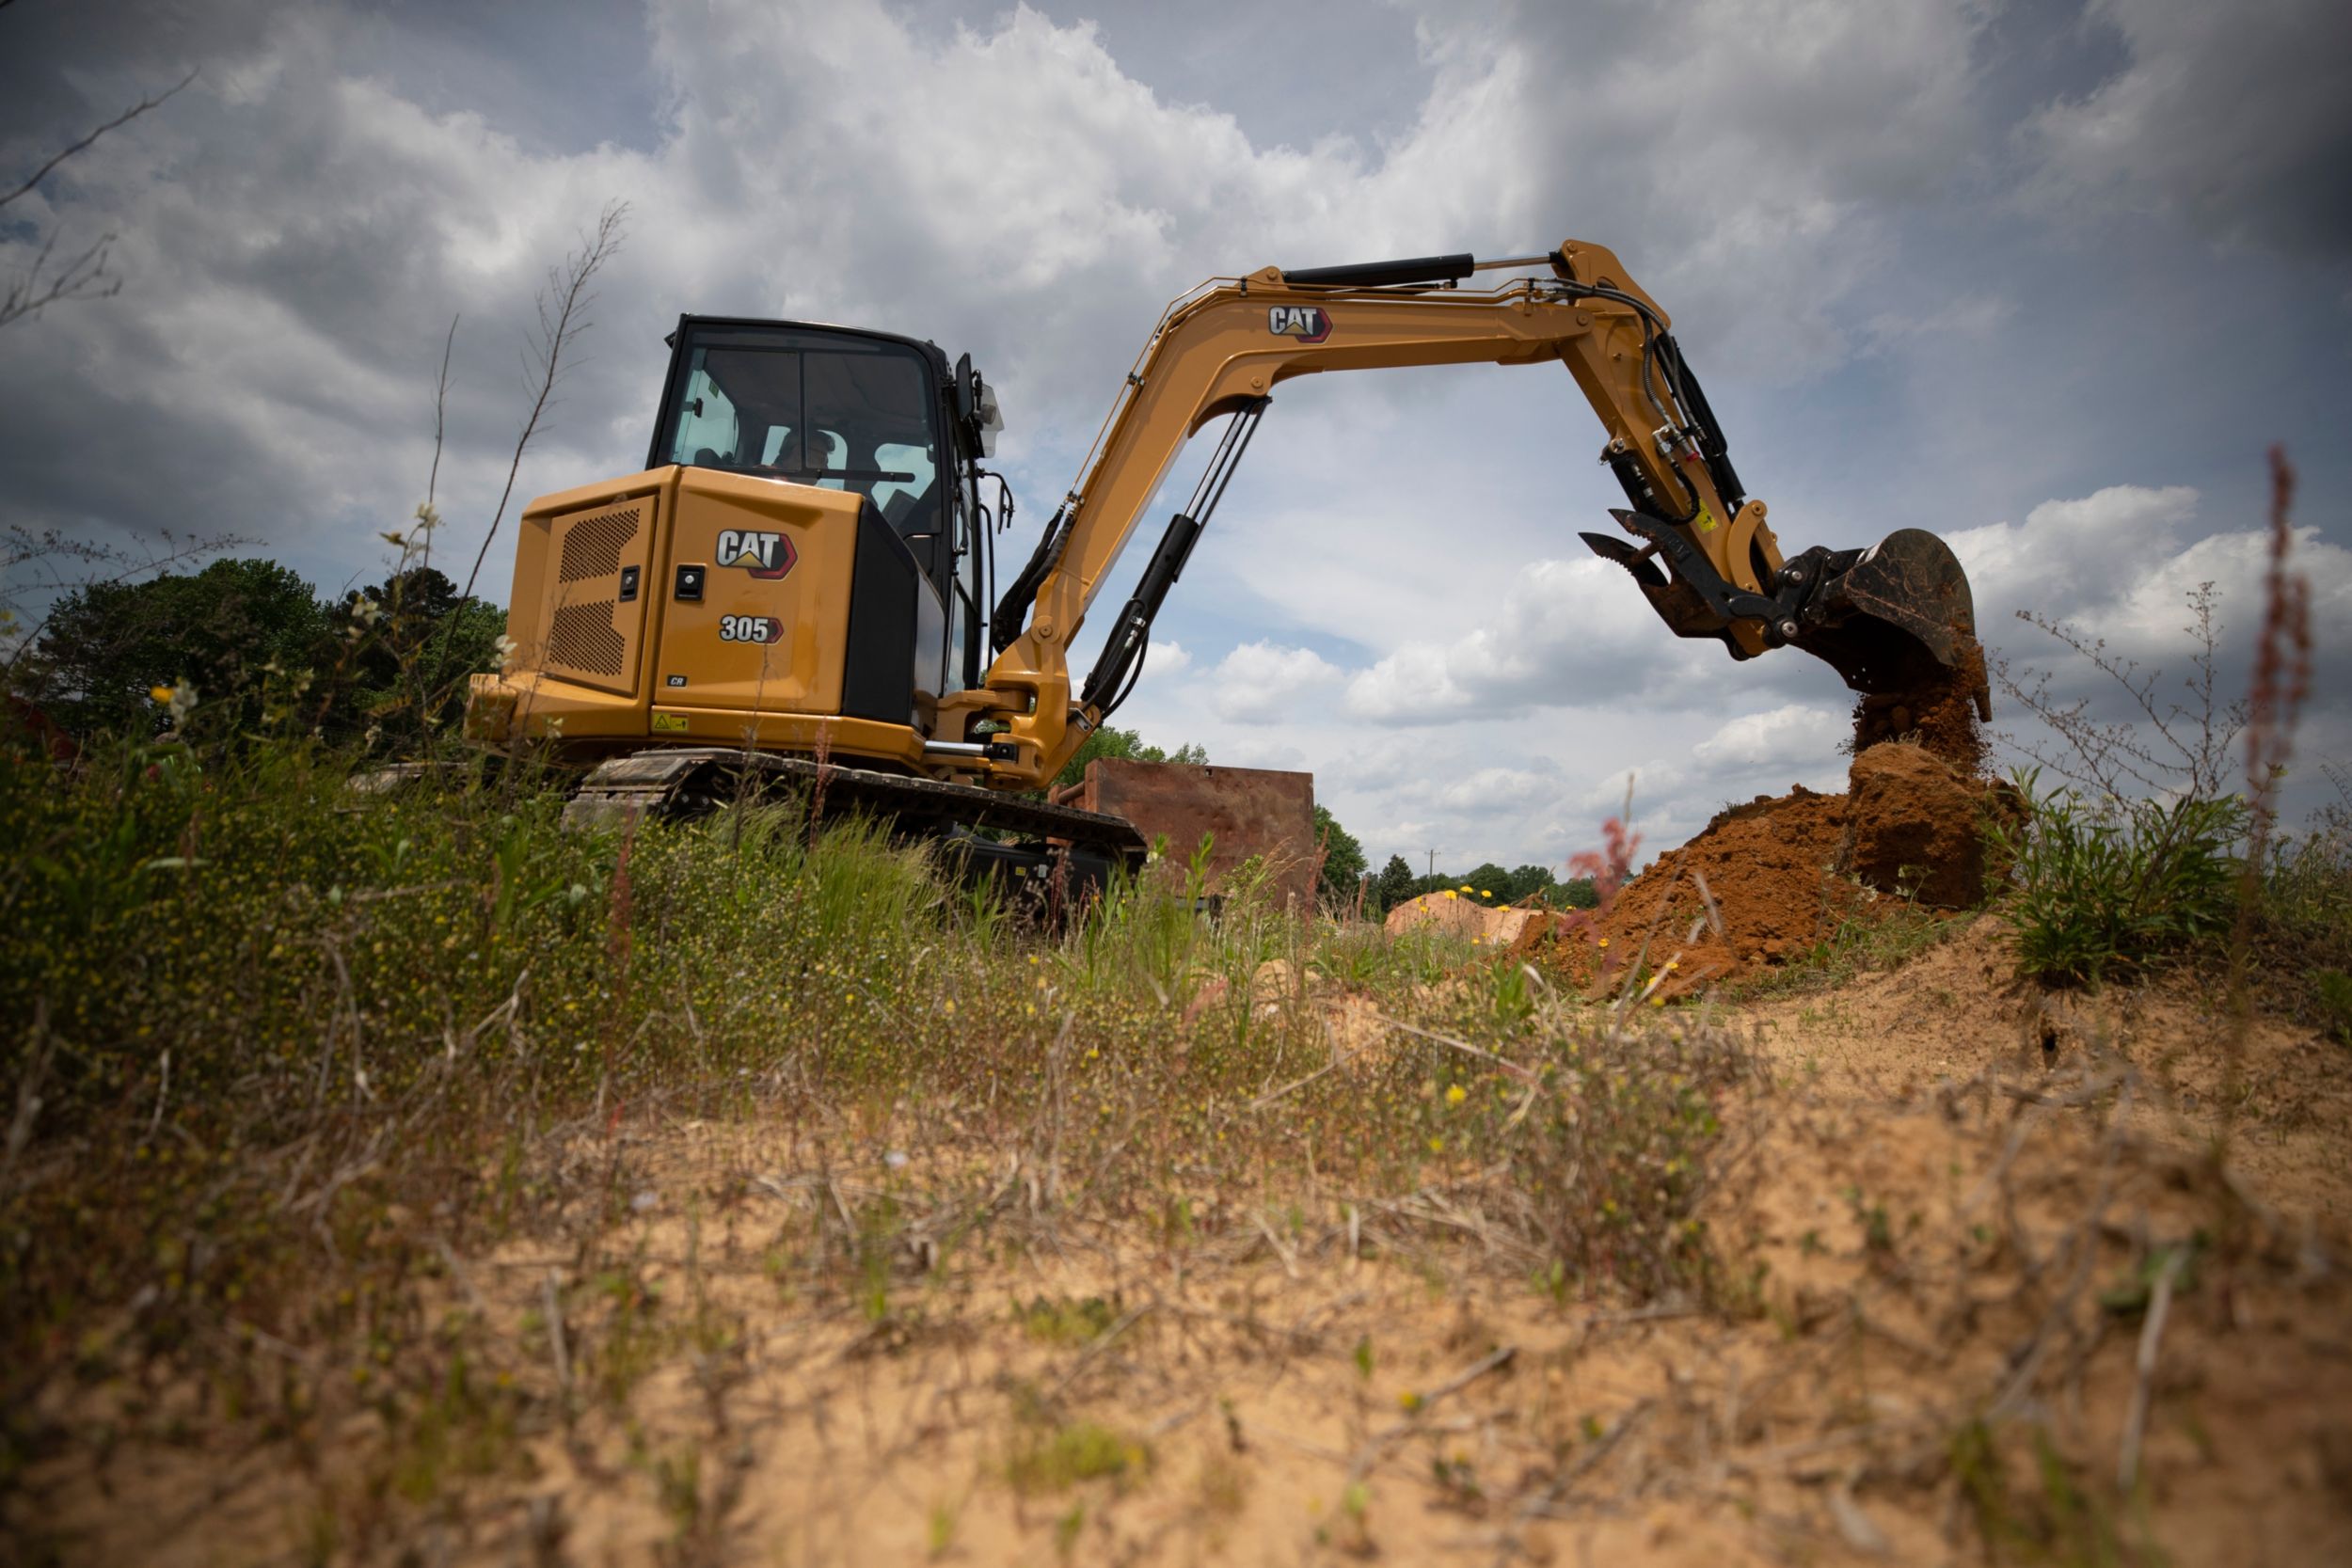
pixel 1263 683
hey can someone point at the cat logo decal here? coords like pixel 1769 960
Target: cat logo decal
pixel 1309 324
pixel 767 555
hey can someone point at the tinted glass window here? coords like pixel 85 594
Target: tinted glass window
pixel 844 413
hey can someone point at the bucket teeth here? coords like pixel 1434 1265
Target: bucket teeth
pixel 1608 547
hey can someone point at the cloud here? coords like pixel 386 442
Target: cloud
pixel 2236 116
pixel 2120 565
pixel 1792 735
pixel 1487 789
pixel 1749 197
pixel 1263 683
pixel 1567 634
pixel 298 228
pixel 2069 553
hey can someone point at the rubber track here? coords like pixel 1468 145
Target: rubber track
pixel 685 780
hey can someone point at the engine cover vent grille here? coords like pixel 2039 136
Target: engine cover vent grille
pixel 590 630
pixel 593 545
pixel 584 637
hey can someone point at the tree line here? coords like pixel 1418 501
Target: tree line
pixel 247 646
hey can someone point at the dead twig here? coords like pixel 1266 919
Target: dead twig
pixel 1126 1320
pixel 563 317
pixel 1507 1067
pixel 556 1341
pixel 2143 1374
pixel 41 1046
pixel 1369 1456
pixel 1541 1504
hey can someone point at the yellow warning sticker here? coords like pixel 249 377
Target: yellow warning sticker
pixel 1705 521
pixel 669 723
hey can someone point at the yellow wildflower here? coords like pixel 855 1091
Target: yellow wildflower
pixel 1437 1146
pixel 1449 893
pixel 1456 1095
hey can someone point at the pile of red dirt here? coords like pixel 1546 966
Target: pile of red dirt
pixel 1764 882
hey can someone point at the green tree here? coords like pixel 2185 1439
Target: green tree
pixel 404 675
pixel 1489 883
pixel 221 630
pixel 1111 741
pixel 1393 886
pixel 1343 861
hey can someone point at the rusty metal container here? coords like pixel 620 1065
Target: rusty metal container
pixel 1248 811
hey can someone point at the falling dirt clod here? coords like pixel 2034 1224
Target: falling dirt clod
pixel 1938 711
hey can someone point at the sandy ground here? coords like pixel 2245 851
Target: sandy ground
pixel 1948 1227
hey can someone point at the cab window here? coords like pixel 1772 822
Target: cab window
pixel 812 408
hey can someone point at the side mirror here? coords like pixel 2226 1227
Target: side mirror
pixel 967 398
pixel 986 417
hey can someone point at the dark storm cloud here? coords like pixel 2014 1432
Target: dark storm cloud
pixel 2236 116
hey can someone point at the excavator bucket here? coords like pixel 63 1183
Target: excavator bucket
pixel 1901 625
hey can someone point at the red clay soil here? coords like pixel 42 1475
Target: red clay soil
pixel 1917 826
pixel 1782 873
pixel 1941 715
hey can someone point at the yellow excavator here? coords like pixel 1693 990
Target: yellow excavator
pixel 798 590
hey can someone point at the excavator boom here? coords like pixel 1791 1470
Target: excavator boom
pixel 1894 620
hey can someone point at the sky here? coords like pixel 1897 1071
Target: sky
pixel 2046 277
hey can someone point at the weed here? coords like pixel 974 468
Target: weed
pixel 1060 1458
pixel 2105 889
pixel 1062 1320
pixel 1869 939
pixel 2335 999
pixel 939 1534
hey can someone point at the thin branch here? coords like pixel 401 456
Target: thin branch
pixel 120 121
pixel 563 317
pixel 440 427
pixel 557 330
pixel 2144 1369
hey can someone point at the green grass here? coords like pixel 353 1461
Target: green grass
pixel 291 1047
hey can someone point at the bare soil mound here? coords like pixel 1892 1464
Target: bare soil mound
pixel 1763 882
pixel 1462 917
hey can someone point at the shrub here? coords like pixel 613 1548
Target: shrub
pixel 2105 889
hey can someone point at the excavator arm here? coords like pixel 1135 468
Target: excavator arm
pixel 1892 619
